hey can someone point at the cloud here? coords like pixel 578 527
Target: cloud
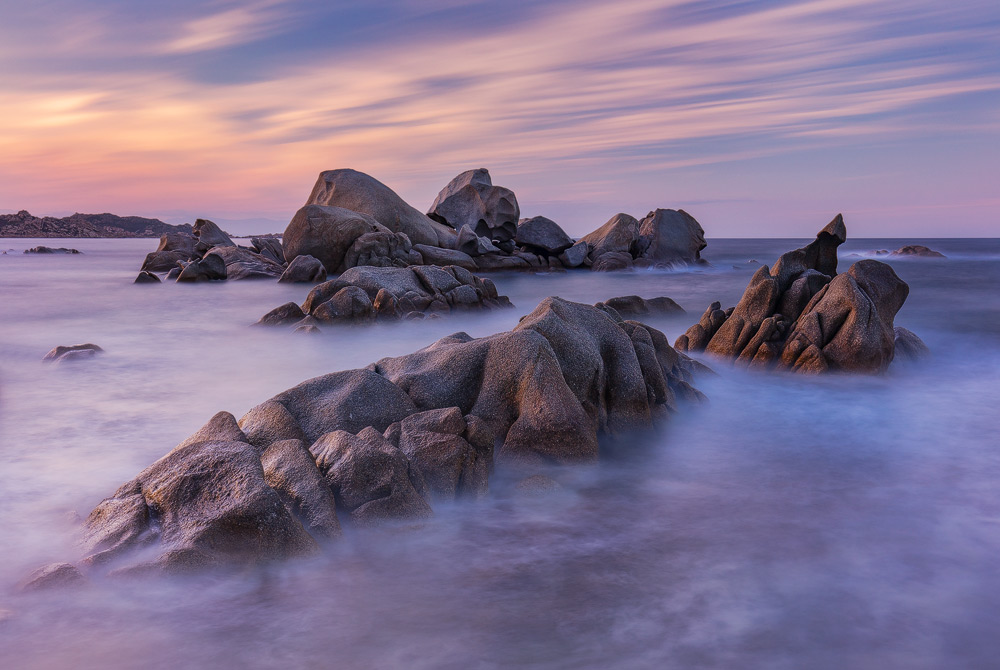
pixel 228 27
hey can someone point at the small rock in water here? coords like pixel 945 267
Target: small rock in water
pixel 54 575
pixel 918 250
pixel 50 250
pixel 74 352
pixel 146 278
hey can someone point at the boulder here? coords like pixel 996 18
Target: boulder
pixel 442 257
pixel 542 235
pixel 179 241
pixel 210 235
pixel 210 268
pixel 146 278
pixel 289 469
pixel 917 250
pixel 435 444
pixel 326 233
pixel 382 249
pixel 619 234
pixel 290 312
pixel 471 199
pixel 361 193
pixel 612 261
pixel 669 237
pixel 575 255
pixel 270 248
pixel 53 576
pixel 802 316
pixel 203 504
pixel 304 269
pixel 371 479
pixel 907 346
pixel 62 352
pixel 350 303
pixel 470 243
pixel 496 262
pixel 163 261
pixel 243 263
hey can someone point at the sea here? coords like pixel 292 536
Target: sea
pixel 790 522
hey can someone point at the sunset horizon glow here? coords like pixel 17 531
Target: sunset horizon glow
pixel 761 119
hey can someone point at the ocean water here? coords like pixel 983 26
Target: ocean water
pixel 791 522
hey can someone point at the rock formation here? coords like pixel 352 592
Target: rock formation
pixel 664 238
pixel 24 224
pixel 471 199
pixel 51 250
pixel 800 315
pixel 384 443
pixel 633 306
pixel 542 235
pixel 917 250
pixel 366 294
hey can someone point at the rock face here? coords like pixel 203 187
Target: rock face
pixel 917 250
pixel 364 294
pixel 471 199
pixel 800 315
pixel 384 443
pixel 542 235
pixel 669 237
pixel 361 193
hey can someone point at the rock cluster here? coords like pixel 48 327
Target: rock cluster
pixel 23 224
pixel 917 250
pixel 665 238
pixel 209 254
pixel 51 250
pixel 800 315
pixel 387 442
pixel 365 294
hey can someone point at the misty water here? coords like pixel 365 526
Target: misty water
pixel 791 522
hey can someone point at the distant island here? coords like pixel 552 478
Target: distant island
pixel 24 224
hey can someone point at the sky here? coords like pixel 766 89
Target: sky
pixel 760 118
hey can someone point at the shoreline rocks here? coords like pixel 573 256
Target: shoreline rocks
pixel 800 315
pixel 385 443
pixel 51 250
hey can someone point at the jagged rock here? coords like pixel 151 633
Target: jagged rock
pixel 611 261
pixel 304 269
pixel 51 576
pixel 542 235
pixel 371 479
pixel 633 305
pixel 907 346
pixel 211 267
pixel 619 234
pixel 326 233
pixel 472 244
pixel 802 316
pixel 362 193
pixel 669 237
pixel 270 248
pixel 245 264
pixel 290 312
pixel 73 351
pixel 210 235
pixel 917 250
pixel 443 257
pixel 471 199
pixel 146 278
pixel 575 256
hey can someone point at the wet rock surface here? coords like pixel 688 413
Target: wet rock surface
pixel 800 315
pixel 384 444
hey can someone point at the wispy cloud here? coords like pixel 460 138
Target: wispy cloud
pixel 577 102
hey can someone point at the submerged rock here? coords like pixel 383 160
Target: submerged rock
pixel 802 316
pixel 304 269
pixel 51 250
pixel 383 443
pixel 917 250
pixel 633 305
pixel 146 278
pixel 907 346
pixel 54 575
pixel 72 352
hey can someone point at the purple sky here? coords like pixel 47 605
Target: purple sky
pixel 759 118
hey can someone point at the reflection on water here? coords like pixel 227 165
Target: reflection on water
pixel 790 523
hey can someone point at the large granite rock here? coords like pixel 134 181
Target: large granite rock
pixel 386 441
pixel 364 194
pixel 542 235
pixel 304 269
pixel 210 268
pixel 209 235
pixel 669 237
pixel 326 233
pixel 619 234
pixel 243 263
pixel 800 315
pixel 471 199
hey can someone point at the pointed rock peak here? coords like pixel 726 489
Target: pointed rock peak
pixel 836 228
